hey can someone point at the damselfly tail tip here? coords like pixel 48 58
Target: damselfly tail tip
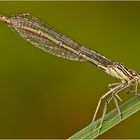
pixel 4 19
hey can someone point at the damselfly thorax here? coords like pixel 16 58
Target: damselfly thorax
pixel 119 71
pixel 48 39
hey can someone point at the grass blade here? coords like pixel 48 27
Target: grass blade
pixel 111 119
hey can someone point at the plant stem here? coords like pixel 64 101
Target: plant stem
pixel 111 119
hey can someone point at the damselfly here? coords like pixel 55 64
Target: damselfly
pixel 51 41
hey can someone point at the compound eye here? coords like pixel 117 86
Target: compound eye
pixel 133 72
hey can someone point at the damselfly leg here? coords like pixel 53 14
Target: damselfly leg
pixel 113 95
pixel 112 85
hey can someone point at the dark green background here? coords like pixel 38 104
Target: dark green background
pixel 42 96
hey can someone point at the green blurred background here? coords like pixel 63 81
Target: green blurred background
pixel 42 96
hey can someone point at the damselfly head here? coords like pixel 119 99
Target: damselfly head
pixel 138 78
pixel 133 72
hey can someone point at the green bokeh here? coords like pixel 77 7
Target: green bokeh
pixel 42 96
